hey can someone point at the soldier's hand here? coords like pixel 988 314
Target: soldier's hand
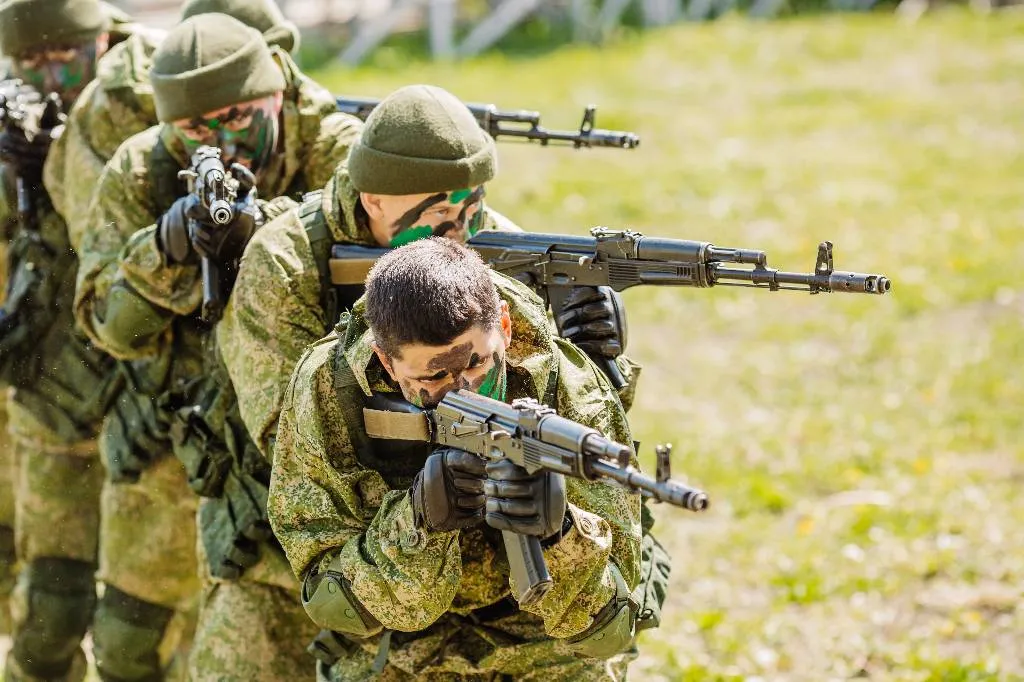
pixel 225 243
pixel 26 155
pixel 172 237
pixel 448 493
pixel 524 503
pixel 594 319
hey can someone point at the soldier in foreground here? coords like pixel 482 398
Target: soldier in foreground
pixel 61 384
pixel 397 546
pixel 216 83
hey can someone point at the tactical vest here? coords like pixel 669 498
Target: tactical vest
pixel 334 298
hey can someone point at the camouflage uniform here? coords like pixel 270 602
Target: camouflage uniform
pixel 446 594
pixel 140 308
pixel 62 387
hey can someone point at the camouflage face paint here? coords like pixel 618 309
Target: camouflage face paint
pixel 65 70
pixel 406 228
pixel 495 382
pixel 410 227
pixel 247 134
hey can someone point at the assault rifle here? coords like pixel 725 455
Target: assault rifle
pixel 553 263
pixel 520 123
pixel 24 109
pixel 534 437
pixel 217 192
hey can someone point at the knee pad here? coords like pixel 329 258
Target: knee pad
pixel 126 635
pixel 59 596
pixel 8 561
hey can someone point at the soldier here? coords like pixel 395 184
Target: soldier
pixel 256 621
pixel 397 546
pixel 61 384
pixel 215 82
pixel 420 168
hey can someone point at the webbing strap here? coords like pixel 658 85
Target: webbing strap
pixel 396 425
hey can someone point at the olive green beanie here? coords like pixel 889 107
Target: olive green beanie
pixel 421 139
pixel 208 62
pixel 26 24
pixel 263 15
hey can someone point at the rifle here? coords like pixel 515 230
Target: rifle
pixel 22 108
pixel 520 123
pixel 217 192
pixel 553 263
pixel 534 437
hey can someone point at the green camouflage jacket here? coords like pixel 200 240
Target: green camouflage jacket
pixel 127 298
pixel 325 504
pixel 64 384
pixel 112 108
pixel 276 308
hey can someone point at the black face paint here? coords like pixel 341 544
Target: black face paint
pixel 406 227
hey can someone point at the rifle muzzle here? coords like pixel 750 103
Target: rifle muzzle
pixel 858 283
pixel 221 212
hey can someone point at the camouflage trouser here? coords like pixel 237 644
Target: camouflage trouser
pixel 253 632
pixel 503 650
pixel 254 628
pixel 56 534
pixel 8 567
pixel 147 552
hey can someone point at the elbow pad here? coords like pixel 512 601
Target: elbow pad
pixel 330 604
pixel 127 319
pixel 614 627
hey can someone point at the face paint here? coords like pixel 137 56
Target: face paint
pixel 410 227
pixel 495 382
pixel 63 70
pixel 246 134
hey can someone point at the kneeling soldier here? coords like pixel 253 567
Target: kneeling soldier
pixel 398 548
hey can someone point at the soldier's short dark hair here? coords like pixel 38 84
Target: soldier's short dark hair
pixel 428 292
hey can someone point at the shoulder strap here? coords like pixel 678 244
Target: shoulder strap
pixel 334 298
pixel 312 220
pixel 397 461
pixel 164 186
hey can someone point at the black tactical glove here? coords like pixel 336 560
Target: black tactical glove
pixel 26 155
pixel 220 243
pixel 233 525
pixel 449 492
pixel 172 237
pixel 524 503
pixel 594 319
pixel 225 243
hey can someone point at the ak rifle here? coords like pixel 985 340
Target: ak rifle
pixel 520 124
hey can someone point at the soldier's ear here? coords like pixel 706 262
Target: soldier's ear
pixel 505 324
pixel 386 361
pixel 372 204
pixel 102 43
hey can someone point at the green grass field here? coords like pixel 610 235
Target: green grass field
pixel 863 454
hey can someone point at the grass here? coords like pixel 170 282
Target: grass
pixel 863 454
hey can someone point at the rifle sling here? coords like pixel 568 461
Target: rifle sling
pixel 349 270
pixel 396 425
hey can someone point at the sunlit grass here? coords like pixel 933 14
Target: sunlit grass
pixel 863 454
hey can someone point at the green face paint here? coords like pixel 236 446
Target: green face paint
pixel 495 381
pixel 411 234
pixel 411 226
pixel 246 134
pixel 63 70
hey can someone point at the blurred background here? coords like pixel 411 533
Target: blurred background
pixel 863 454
